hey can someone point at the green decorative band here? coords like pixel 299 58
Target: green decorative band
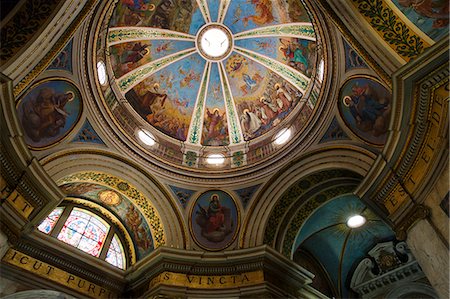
pixel 233 124
pixel 223 10
pixel 298 79
pixel 196 124
pixel 128 190
pixel 204 9
pixel 120 35
pixel 133 78
pixel 298 30
pixel 391 28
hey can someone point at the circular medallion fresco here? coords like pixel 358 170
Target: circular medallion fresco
pixel 215 73
pixel 214 220
pixel 365 106
pixel 49 111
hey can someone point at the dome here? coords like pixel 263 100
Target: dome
pixel 206 80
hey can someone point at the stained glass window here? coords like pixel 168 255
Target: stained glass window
pixel 115 255
pixel 84 230
pixel 49 222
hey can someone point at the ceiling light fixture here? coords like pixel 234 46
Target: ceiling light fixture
pixel 282 137
pixel 356 221
pixel 215 159
pixel 146 137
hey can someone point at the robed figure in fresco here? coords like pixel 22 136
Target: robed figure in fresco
pixel 44 116
pixel 215 221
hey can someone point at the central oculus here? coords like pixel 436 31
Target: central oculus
pixel 214 42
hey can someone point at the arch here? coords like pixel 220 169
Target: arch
pixel 266 210
pixel 127 178
pixel 39 294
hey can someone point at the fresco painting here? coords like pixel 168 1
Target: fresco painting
pixel 213 6
pixel 197 21
pixel 214 220
pixel 167 98
pixel 430 16
pixel 262 97
pixel 173 15
pixel 129 56
pixel 49 111
pixel 122 207
pixel 365 106
pixel 64 59
pixel 352 59
pixel 246 15
pixel 215 127
pixel 297 53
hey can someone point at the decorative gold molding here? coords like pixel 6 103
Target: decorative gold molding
pixel 207 281
pixel 49 272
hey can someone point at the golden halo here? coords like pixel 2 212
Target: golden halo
pixel 72 95
pixel 216 109
pixel 277 85
pixel 109 197
pixel 347 100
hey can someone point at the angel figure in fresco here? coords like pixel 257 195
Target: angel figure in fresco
pixel 433 9
pixel 370 111
pixel 263 15
pixel 215 221
pixel 188 78
pixel 44 116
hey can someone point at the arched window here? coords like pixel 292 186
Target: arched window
pixel 86 231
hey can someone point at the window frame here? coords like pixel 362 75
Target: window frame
pixel 113 230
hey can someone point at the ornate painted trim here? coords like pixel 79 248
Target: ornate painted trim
pixel 203 6
pixel 197 118
pixel 297 30
pixel 130 191
pixel 223 8
pixel 388 25
pixel 118 35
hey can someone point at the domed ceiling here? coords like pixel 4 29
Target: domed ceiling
pixel 212 76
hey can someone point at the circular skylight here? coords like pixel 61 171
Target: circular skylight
pixel 215 159
pixel 101 71
pixel 214 42
pixel 282 137
pixel 146 137
pixel 356 221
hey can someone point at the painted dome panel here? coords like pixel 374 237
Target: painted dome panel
pixel 167 98
pixel 215 125
pixel 213 7
pixel 300 54
pixel 263 98
pixel 175 15
pixel 126 57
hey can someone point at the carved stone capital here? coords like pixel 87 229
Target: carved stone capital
pixel 417 213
